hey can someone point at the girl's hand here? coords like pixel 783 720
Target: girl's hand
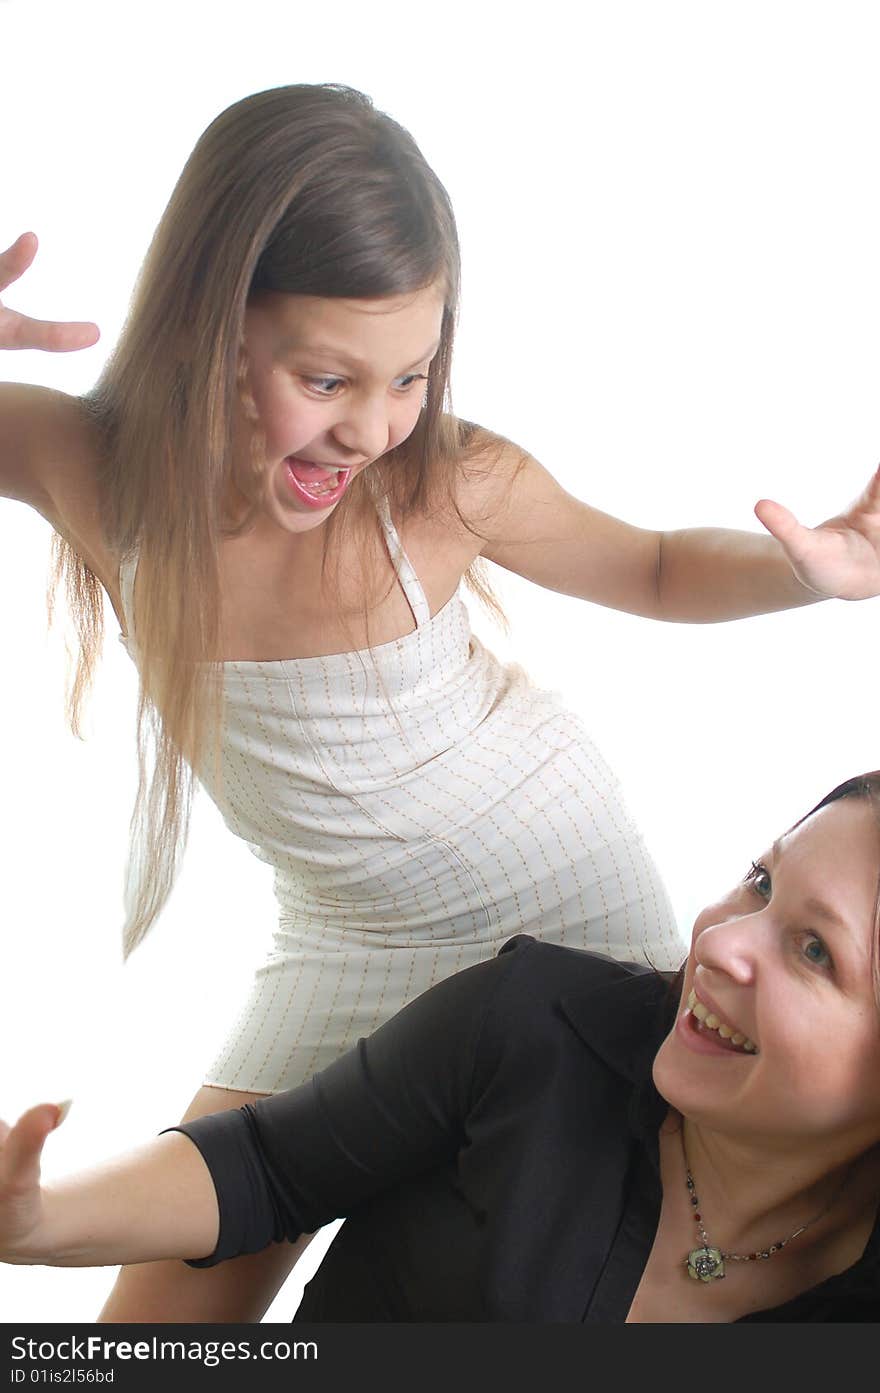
pixel 16 330
pixel 21 1199
pixel 839 559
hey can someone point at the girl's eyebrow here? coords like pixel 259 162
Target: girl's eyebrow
pixel 331 351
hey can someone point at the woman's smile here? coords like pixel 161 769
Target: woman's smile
pixel 701 1024
pixel 778 968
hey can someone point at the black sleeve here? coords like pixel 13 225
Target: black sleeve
pixel 391 1108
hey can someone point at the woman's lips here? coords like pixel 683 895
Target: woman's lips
pixel 312 484
pixel 686 1028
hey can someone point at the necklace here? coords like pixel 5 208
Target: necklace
pixel 706 1263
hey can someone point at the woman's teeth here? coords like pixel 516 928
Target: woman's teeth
pixel 712 1022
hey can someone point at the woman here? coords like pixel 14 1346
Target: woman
pixel 553 1136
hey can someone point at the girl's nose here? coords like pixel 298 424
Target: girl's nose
pixel 363 428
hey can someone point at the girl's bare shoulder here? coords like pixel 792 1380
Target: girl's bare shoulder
pixel 446 533
pixel 489 469
pixel 50 455
pixel 465 510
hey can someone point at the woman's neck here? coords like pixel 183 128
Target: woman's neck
pixel 752 1195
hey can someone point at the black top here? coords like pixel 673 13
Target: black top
pixel 495 1146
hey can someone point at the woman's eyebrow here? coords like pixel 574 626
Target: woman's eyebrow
pixel 819 908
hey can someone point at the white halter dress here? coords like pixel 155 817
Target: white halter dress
pixel 420 803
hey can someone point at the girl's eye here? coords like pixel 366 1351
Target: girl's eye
pixel 816 952
pixel 759 879
pixel 327 386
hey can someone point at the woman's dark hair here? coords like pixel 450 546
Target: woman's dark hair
pixel 867 788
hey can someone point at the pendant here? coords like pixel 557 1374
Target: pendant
pixel 705 1264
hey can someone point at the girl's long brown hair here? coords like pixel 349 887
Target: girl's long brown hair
pixel 306 190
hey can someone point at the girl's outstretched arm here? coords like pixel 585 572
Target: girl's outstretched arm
pixel 40 434
pixel 696 575
pixel 50 449
pixel 158 1201
pixel 240 1290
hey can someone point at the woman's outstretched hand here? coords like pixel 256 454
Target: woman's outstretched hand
pixel 17 330
pixel 21 1199
pixel 839 559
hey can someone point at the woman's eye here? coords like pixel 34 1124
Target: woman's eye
pixel 816 952
pixel 405 383
pixel 759 879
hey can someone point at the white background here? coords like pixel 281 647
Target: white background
pixel 670 219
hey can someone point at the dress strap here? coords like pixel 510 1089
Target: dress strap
pixel 409 581
pixel 127 573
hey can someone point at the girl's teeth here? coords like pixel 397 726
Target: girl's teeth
pixel 326 486
pixel 316 479
pixel 725 1031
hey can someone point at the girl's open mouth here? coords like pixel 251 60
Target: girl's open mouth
pixel 315 485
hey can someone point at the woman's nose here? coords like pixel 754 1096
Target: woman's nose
pixel 363 428
pixel 730 947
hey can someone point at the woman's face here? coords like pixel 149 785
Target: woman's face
pixel 785 961
pixel 336 383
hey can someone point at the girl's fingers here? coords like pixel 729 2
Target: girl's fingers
pixel 52 336
pixel 17 330
pixel 23 1143
pixel 15 260
pixel 779 522
pixel 871 495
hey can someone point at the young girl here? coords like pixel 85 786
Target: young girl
pixel 270 486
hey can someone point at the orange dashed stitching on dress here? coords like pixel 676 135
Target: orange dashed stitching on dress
pixel 412 840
